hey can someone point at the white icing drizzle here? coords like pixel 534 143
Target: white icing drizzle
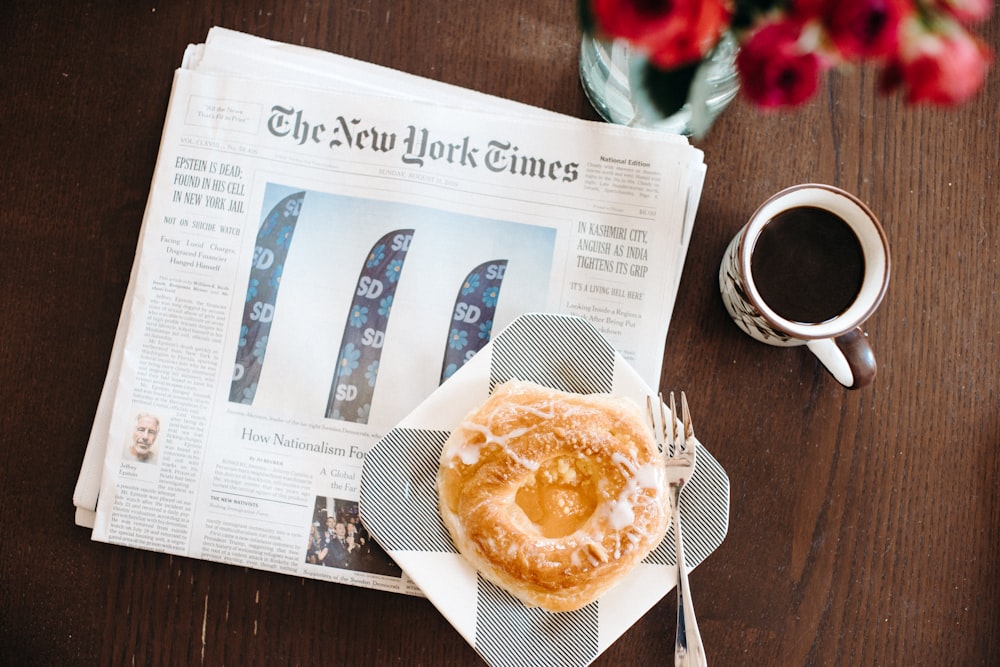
pixel 468 453
pixel 646 476
pixel 544 414
pixel 620 511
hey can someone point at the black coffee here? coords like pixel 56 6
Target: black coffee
pixel 807 264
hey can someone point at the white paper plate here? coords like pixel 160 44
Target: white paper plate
pixel 399 502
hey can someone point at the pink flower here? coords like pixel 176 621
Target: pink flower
pixel 966 11
pixel 671 33
pixel 865 28
pixel 944 67
pixel 775 71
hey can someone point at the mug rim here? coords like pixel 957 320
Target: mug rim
pixel 840 323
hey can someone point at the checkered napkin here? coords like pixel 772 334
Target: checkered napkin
pixel 399 502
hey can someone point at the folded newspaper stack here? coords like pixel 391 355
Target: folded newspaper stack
pixel 325 242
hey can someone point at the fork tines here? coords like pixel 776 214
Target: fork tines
pixel 665 431
pixel 686 417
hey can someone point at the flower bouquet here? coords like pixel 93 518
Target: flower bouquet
pixel 924 48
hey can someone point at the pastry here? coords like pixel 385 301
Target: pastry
pixel 553 496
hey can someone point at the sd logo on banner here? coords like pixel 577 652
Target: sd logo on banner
pixel 364 333
pixel 472 317
pixel 273 241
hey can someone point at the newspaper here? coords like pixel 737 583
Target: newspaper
pixel 325 242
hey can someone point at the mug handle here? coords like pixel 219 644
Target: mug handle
pixel 848 357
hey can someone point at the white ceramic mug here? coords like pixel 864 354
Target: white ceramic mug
pixel 795 252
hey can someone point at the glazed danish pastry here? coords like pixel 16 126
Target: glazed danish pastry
pixel 553 496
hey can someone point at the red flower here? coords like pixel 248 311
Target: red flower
pixel 966 11
pixel 946 67
pixel 671 33
pixel 804 10
pixel 774 70
pixel 863 28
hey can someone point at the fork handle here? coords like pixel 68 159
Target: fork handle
pixel 689 651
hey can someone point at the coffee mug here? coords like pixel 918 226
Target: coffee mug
pixel 809 268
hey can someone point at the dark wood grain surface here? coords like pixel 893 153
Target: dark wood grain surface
pixel 865 525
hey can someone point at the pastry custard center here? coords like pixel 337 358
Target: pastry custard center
pixel 560 496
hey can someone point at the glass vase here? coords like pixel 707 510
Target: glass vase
pixel 610 71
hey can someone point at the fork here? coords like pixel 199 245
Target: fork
pixel 679 450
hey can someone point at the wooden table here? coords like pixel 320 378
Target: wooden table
pixel 865 525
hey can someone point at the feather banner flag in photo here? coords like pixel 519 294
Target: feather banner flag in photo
pixel 364 333
pixel 472 317
pixel 273 239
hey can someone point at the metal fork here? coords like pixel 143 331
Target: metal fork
pixel 679 449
